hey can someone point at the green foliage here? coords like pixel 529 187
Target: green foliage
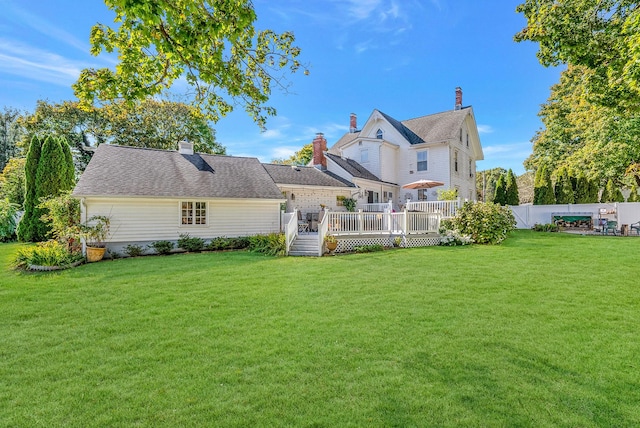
pixel 582 194
pixel 452 238
pixel 162 247
pixel 133 250
pixel 548 227
pixel 11 132
pixel 273 244
pixel 372 248
pixel 563 189
pixel 447 194
pixel 12 181
pixel 96 230
pixel 8 212
pixel 301 157
pixel 30 227
pixel 486 183
pixel 62 215
pixel 601 36
pixel 190 243
pixel 349 204
pixel 50 253
pixel 222 243
pixel 500 196
pixel 212 46
pixel 611 193
pixel 633 196
pixel 485 222
pixel 512 196
pixel 543 190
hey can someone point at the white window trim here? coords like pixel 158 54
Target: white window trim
pixel 418 161
pixel 206 213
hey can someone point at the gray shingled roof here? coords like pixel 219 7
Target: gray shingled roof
pixel 407 133
pixel 426 129
pixel 353 167
pixel 305 176
pixel 438 127
pixel 132 171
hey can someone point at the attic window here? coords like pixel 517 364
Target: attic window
pixel 379 134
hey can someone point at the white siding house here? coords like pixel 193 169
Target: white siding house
pixel 386 154
pixel 153 195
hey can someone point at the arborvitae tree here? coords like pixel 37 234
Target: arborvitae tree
pixel 594 189
pixel 611 193
pixel 543 191
pixel 48 175
pixel 581 194
pixel 563 188
pixel 536 186
pixel 69 166
pixel 500 195
pixel 28 226
pixel 634 197
pixel 512 196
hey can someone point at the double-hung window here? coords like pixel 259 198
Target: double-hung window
pixel 422 160
pixel 193 213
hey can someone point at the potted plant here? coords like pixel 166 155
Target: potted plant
pixel 94 236
pixel 331 242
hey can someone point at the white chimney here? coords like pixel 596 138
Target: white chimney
pixel 185 147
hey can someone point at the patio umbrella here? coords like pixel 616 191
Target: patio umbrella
pixel 423 184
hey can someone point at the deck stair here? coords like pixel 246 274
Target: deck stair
pixel 305 245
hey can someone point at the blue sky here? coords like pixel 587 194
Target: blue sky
pixel 403 57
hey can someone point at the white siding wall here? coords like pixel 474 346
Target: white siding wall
pixel 389 164
pixel 437 169
pixel 136 220
pixel 373 148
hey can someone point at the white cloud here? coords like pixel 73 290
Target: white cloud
pixel 43 26
pixel 283 152
pixel 35 64
pixel 362 9
pixel 485 129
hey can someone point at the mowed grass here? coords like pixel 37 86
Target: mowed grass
pixel 543 330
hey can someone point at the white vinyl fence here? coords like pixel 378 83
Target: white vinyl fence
pixel 529 215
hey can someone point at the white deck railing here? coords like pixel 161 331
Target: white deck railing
pixel 377 207
pixel 446 208
pixel 364 223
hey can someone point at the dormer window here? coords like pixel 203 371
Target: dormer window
pixel 379 134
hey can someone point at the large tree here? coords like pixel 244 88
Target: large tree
pixel 212 45
pixel 29 227
pixel 11 132
pixel 486 183
pixel 603 36
pixel 12 182
pixel 579 135
pixel 150 123
pixel 301 157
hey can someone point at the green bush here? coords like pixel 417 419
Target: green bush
pixel 162 247
pixel 369 248
pixel 273 244
pixel 50 253
pixel 189 243
pixel 7 220
pixel 549 227
pixel 485 222
pixel 133 250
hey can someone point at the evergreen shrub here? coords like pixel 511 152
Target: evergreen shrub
pixel 485 222
pixel 190 243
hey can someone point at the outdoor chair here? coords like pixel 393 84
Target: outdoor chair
pixel 303 226
pixel 635 226
pixel 611 226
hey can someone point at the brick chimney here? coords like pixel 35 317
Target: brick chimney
pixel 319 147
pixel 353 126
pixel 458 98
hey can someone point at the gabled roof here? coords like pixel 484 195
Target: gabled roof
pixel 305 176
pixel 433 128
pixel 406 132
pixel 353 168
pixel 439 126
pixel 120 171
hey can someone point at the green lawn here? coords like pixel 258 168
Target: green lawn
pixel 543 330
